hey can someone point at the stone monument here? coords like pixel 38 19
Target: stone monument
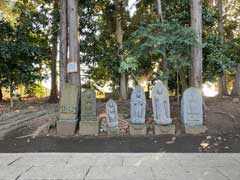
pixel 161 110
pixel 112 117
pixel 192 111
pixel 69 108
pixel 138 111
pixel 88 123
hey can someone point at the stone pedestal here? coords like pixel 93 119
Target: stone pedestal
pixel 164 130
pixel 66 127
pixel 113 131
pixel 138 129
pixel 89 128
pixel 195 129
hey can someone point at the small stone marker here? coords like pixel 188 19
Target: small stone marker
pixel 88 123
pixel 112 117
pixel 69 106
pixel 192 111
pixel 138 111
pixel 161 110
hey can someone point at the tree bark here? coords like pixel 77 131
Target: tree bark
pixel 196 23
pixel 1 95
pixel 164 57
pixel 182 76
pixel 74 57
pixel 53 95
pixel 63 44
pixel 119 37
pixel 236 86
pixel 223 82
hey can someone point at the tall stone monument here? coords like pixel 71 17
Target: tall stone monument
pixel 88 123
pixel 192 111
pixel 138 111
pixel 69 108
pixel 161 110
pixel 112 117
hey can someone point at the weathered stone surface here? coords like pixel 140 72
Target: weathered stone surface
pixel 160 104
pixel 90 128
pixel 195 129
pixel 192 110
pixel 138 106
pixel 88 105
pixel 138 129
pixel 164 130
pixel 113 131
pixel 66 127
pixel 112 114
pixel 69 102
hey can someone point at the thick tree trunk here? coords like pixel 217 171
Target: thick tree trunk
pixel 119 37
pixel 74 53
pixel 196 23
pixel 223 82
pixel 53 95
pixel 236 86
pixel 63 44
pixel 164 57
pixel 1 95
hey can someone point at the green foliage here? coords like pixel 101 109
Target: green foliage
pixel 149 43
pixel 36 90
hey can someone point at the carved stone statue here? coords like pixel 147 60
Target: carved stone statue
pixel 112 114
pixel 192 112
pixel 88 105
pixel 160 104
pixel 138 106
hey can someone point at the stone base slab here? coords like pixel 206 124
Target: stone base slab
pixel 138 129
pixel 66 127
pixel 89 128
pixel 195 129
pixel 164 130
pixel 113 131
pixel 67 116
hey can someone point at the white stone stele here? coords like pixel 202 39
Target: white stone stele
pixel 138 106
pixel 160 104
pixel 192 111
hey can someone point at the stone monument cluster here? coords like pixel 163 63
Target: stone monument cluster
pixel 191 112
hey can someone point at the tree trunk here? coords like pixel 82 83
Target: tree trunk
pixel 196 23
pixel 53 95
pixel 73 77
pixel 182 76
pixel 223 82
pixel 119 37
pixel 1 95
pixel 11 96
pixel 63 44
pixel 164 57
pixel 236 86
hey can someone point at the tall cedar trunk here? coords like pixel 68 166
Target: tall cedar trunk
pixel 164 57
pixel 73 77
pixel 223 82
pixel 53 95
pixel 1 95
pixel 236 86
pixel 119 37
pixel 63 44
pixel 196 23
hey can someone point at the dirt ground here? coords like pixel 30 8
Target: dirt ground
pixel 31 127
